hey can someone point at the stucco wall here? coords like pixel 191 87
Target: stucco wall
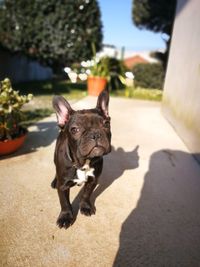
pixel 181 102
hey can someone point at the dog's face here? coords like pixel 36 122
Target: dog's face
pixel 89 134
pixel 88 131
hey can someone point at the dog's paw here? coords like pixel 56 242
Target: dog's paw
pixel 65 219
pixel 87 209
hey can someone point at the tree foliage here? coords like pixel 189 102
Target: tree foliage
pixel 157 16
pixel 54 32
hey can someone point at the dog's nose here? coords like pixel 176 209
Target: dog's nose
pixel 95 135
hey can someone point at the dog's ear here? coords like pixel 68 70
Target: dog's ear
pixel 103 102
pixel 63 110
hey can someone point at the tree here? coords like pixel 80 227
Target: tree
pixel 56 33
pixel 157 16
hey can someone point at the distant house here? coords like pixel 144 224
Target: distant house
pixel 130 62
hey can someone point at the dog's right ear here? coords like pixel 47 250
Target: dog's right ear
pixel 103 102
pixel 63 110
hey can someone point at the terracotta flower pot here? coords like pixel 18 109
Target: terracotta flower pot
pixel 96 85
pixel 10 146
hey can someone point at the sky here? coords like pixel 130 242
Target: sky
pixel 119 30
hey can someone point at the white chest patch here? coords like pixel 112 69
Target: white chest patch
pixel 84 173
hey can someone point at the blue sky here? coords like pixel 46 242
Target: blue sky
pixel 119 30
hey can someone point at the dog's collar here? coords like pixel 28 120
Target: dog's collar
pixel 68 154
pixel 86 164
pixel 84 172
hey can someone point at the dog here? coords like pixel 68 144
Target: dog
pixel 84 138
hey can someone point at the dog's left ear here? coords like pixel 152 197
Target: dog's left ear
pixel 103 102
pixel 63 110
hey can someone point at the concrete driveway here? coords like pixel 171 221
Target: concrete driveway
pixel 148 199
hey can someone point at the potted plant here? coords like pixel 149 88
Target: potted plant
pixel 98 78
pixel 12 133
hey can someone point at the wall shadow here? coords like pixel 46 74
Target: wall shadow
pixel 115 164
pixel 44 135
pixel 164 228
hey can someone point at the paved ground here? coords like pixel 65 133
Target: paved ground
pixel 148 211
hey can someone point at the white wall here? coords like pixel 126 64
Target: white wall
pixel 181 103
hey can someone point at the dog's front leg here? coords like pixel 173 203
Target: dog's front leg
pixel 86 207
pixel 65 219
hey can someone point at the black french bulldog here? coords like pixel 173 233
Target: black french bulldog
pixel 83 140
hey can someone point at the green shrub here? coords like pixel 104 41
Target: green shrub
pixel 101 68
pixel 11 103
pixel 146 94
pixel 111 68
pixel 149 75
pixel 140 93
pixel 116 70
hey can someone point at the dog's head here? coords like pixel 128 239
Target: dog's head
pixel 87 131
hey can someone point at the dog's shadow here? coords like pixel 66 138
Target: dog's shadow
pixel 114 166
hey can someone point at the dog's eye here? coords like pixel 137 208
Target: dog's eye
pixel 74 130
pixel 106 124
